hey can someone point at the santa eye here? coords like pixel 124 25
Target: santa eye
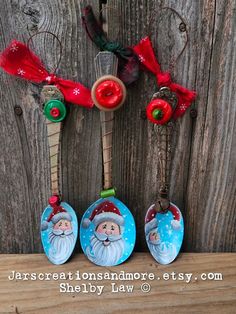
pixel 112 228
pixel 60 224
pixel 104 226
pixel 66 224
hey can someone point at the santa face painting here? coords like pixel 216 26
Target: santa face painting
pixel 62 241
pixel 107 232
pixel 164 233
pixel 162 252
pixel 59 230
pixel 106 245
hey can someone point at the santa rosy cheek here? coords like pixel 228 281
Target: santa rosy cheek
pixel 67 227
pixel 152 237
pixel 116 232
pixel 101 230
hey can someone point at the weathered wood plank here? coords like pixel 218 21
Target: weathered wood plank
pixel 211 190
pixel 165 296
pixel 135 169
pixel 203 176
pixel 24 161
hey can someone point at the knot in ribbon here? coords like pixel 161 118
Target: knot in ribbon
pixel 112 46
pixel 18 60
pixel 147 58
pixel 51 79
pixel 164 79
pixel 128 66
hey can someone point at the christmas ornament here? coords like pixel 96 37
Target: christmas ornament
pixel 59 225
pixel 164 226
pixel 18 60
pixel 128 63
pixel 107 230
pixel 145 53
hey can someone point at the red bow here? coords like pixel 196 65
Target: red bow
pixel 17 59
pixel 146 55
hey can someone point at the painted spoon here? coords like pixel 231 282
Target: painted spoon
pixel 107 230
pixel 164 226
pixel 59 225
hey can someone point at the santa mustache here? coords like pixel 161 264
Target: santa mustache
pixel 104 236
pixel 103 255
pixel 59 232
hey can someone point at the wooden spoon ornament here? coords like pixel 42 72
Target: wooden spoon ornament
pixel 59 225
pixel 164 226
pixel 107 230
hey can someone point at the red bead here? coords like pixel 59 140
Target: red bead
pixel 162 105
pixel 54 200
pixel 55 112
pixel 109 94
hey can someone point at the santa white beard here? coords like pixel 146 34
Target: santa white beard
pixel 62 244
pixel 163 252
pixel 103 255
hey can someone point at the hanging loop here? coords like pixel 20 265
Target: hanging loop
pixel 182 28
pixel 30 40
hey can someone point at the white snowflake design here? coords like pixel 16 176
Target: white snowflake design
pixel 20 72
pixel 76 91
pixel 183 107
pixel 48 79
pixel 14 47
pixel 141 58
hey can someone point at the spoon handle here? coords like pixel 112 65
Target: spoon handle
pixel 54 136
pixel 106 63
pixel 164 133
pixel 54 139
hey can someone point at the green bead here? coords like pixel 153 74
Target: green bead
pixel 157 114
pixel 107 193
pixel 55 110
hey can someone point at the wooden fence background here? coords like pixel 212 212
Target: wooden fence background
pixel 204 172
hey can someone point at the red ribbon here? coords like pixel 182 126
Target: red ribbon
pixel 146 55
pixel 17 59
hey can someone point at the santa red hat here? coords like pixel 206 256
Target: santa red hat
pixel 106 211
pixel 58 213
pixel 151 221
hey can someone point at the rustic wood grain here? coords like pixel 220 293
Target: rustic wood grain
pixel 211 219
pixel 166 296
pixel 136 173
pixel 24 165
pixel 204 174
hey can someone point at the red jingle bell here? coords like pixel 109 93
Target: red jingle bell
pixel 159 111
pixel 54 200
pixel 108 93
